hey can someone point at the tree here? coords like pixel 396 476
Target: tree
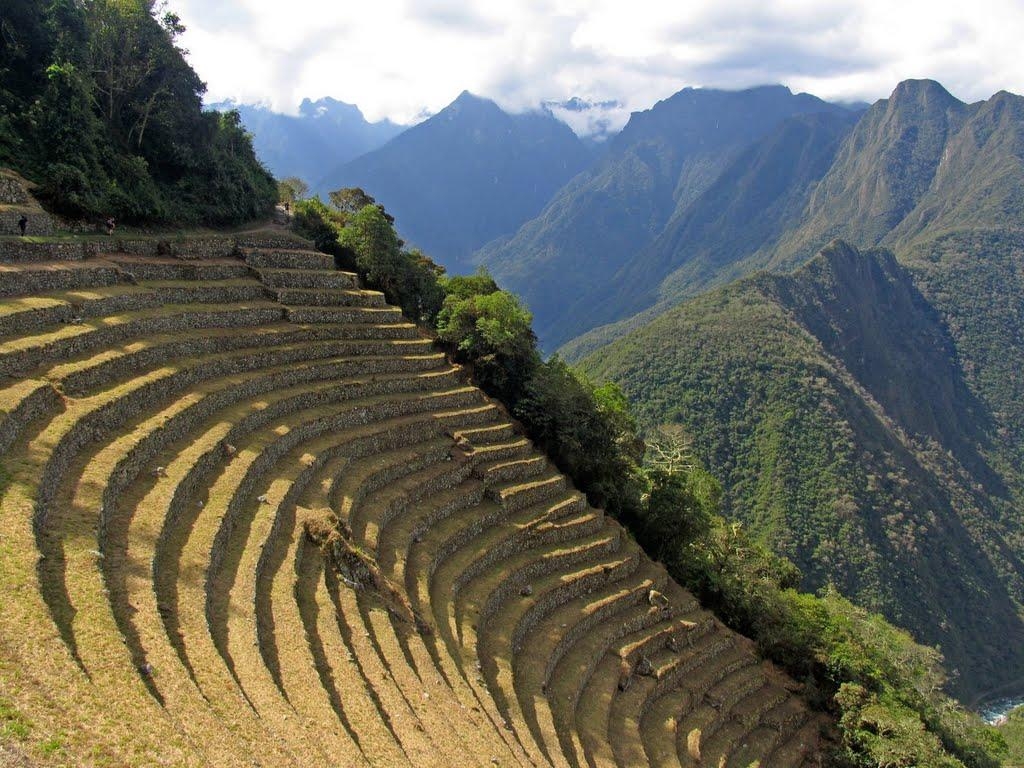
pixel 371 236
pixel 350 200
pixel 492 332
pixel 100 108
pixel 291 189
pixel 588 431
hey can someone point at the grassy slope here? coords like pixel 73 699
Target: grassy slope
pixel 805 399
pixel 1013 732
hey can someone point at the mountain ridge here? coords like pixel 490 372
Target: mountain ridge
pixel 662 161
pixel 802 393
pixel 467 175
pixel 297 145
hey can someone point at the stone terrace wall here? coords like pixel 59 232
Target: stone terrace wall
pixel 16 201
pixel 214 246
pixel 12 189
pixel 18 250
pixel 39 223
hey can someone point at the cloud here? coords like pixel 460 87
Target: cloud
pixel 404 58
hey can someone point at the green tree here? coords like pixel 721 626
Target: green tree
pixel 351 200
pixel 377 247
pixel 292 188
pixel 588 431
pixel 490 331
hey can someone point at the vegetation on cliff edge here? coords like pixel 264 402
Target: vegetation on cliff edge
pixel 99 107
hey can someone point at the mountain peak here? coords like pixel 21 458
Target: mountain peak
pixel 928 93
pixel 467 97
pixel 470 104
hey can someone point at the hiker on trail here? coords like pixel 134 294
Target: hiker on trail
pixel 110 225
pixel 23 224
pixel 287 207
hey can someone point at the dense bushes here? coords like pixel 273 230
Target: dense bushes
pixel 488 329
pixel 589 433
pixel 103 112
pixel 365 241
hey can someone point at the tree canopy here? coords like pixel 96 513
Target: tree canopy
pixel 100 108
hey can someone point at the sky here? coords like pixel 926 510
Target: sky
pixel 405 59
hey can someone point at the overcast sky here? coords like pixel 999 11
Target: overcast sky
pixel 404 58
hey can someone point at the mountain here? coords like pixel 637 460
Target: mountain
pixel 918 165
pixel 839 408
pixel 325 131
pixel 467 175
pixel 730 229
pixel 661 163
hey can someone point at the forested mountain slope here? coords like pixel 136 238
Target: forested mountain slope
pixel 467 175
pixel 917 166
pixel 854 433
pixel 99 107
pixel 662 162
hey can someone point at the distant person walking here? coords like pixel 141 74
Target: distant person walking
pixel 23 224
pixel 111 224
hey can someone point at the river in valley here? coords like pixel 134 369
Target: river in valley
pixel 995 711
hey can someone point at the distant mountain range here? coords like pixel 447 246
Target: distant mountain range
pixel 662 166
pixel 467 175
pixel 865 411
pixel 324 133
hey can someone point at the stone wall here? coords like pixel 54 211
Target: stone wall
pixel 39 223
pixel 18 250
pixel 12 189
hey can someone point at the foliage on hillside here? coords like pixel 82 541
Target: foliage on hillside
pixel 832 409
pixel 98 106
pixel 975 280
pixel 1013 732
pixel 884 689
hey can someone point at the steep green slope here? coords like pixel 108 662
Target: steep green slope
pixel 976 280
pixel 1013 732
pixel 660 164
pixel 99 106
pixel 467 175
pixel 833 406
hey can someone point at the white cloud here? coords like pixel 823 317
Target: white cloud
pixel 400 58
